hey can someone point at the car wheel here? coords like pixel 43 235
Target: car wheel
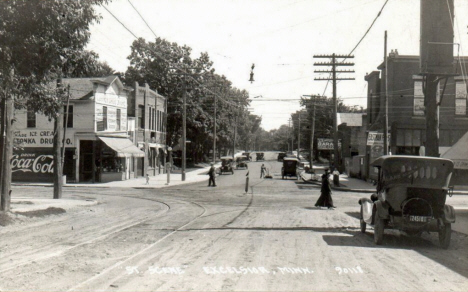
pixel 444 235
pixel 362 223
pixel 378 229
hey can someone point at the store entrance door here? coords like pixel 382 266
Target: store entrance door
pixel 87 161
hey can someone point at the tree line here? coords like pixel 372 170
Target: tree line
pixel 44 41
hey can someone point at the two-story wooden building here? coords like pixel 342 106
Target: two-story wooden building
pixel 97 147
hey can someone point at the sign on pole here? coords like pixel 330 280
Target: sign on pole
pixel 326 144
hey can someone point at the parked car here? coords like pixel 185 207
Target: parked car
pixel 247 154
pixel 226 165
pixel 260 156
pixel 411 195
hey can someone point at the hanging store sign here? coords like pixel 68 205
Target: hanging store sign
pixel 376 138
pixel 326 144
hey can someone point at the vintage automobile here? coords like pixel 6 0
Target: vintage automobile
pixel 226 165
pixel 247 154
pixel 281 155
pixel 241 162
pixel 260 156
pixel 411 195
pixel 289 169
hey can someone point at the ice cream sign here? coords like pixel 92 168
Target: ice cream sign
pixel 39 138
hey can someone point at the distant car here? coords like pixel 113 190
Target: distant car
pixel 226 165
pixel 260 156
pixel 289 168
pixel 241 162
pixel 281 155
pixel 247 154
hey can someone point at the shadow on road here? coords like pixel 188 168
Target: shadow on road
pixel 454 258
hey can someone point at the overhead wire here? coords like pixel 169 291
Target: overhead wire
pixel 162 57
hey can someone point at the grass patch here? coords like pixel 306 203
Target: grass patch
pixel 43 213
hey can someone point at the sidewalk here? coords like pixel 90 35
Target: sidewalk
pixel 347 184
pixel 159 181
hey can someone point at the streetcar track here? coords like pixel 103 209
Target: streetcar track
pixel 94 239
pixel 108 269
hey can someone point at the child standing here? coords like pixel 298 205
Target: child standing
pixel 147 179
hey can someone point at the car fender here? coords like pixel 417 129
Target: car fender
pixel 449 214
pixel 382 209
pixel 366 209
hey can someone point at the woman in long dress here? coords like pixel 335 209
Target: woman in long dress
pixel 325 199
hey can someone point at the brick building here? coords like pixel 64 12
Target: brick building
pixel 150 112
pixel 406 116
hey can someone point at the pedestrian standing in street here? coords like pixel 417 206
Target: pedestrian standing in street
pixel 325 199
pixel 262 171
pixel 212 173
pixel 336 178
pixel 147 179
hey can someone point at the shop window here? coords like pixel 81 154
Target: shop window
pixel 68 122
pixel 119 117
pixel 460 98
pixel 31 118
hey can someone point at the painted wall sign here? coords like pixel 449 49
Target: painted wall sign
pixel 39 138
pixel 33 164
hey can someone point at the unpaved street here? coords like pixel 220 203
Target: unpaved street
pixel 219 239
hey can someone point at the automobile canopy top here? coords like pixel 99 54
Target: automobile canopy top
pixel 290 159
pixel 416 171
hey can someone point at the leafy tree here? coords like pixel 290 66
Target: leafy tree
pixel 169 68
pixel 40 42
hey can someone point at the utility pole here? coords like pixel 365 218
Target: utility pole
pixel 312 130
pixel 299 137
pixel 334 64
pixel 385 135
pixel 8 118
pixel 184 128
pixel 235 133
pixel 214 131
pixel 58 129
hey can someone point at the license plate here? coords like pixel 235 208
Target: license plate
pixel 418 218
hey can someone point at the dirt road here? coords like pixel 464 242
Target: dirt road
pixel 198 238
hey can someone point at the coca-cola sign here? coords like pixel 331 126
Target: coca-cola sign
pixel 32 165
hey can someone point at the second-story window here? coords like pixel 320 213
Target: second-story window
pixel 460 97
pixel 118 119
pixel 141 117
pixel 68 122
pixel 104 117
pixel 31 119
pixel 418 108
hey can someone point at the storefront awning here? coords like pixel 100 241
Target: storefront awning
pixel 123 146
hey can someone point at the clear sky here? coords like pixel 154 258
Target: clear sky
pixel 279 36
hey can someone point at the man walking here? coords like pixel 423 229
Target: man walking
pixel 212 173
pixel 262 171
